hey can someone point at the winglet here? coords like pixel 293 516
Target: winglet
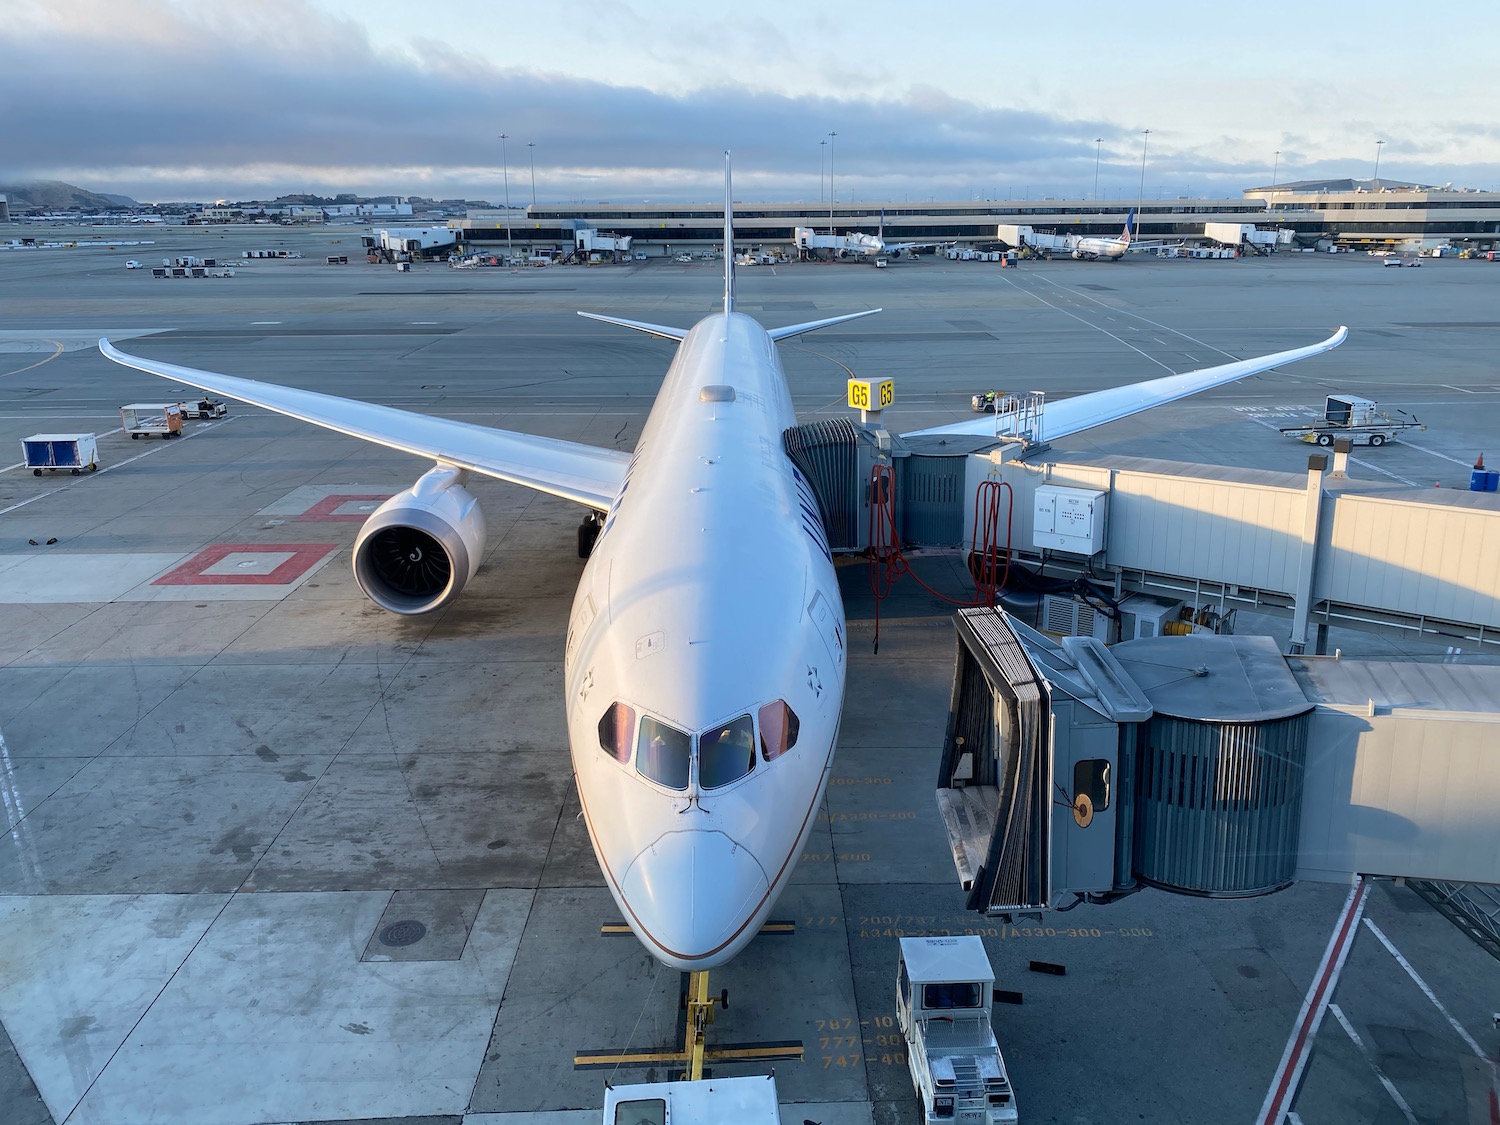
pixel 728 239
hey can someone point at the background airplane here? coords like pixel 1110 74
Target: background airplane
pixel 705 655
pixel 854 244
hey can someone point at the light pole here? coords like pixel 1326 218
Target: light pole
pixel 1141 191
pixel 822 163
pixel 505 173
pixel 531 149
pixel 832 195
pixel 1377 164
pixel 1276 167
pixel 1098 142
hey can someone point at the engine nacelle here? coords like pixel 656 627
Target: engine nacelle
pixel 421 547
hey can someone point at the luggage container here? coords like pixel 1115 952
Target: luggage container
pixel 50 452
pixel 148 419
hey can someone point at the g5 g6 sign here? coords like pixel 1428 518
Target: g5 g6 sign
pixel 871 394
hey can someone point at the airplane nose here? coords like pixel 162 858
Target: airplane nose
pixel 692 892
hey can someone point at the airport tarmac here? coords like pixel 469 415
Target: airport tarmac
pixel 228 778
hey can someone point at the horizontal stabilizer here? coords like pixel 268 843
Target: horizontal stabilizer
pixel 661 330
pixel 584 474
pixel 1072 415
pixel 813 325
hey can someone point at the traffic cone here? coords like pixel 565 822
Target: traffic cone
pixel 1479 464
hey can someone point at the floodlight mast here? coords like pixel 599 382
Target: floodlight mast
pixel 505 174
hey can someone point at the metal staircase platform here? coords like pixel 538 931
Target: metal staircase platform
pixel 1473 907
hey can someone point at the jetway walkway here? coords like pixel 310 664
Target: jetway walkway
pixel 1215 766
pixel 1323 548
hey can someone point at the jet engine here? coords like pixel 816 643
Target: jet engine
pixel 421 547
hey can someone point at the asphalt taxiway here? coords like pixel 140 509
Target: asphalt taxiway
pixel 231 783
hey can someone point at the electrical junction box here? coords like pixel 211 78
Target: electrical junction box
pixel 1069 519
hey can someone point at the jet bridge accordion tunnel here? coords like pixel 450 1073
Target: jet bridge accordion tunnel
pixel 1070 769
pixel 835 458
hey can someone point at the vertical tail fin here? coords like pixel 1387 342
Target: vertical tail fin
pixel 1129 222
pixel 728 239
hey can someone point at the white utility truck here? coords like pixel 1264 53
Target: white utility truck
pixel 710 1101
pixel 944 989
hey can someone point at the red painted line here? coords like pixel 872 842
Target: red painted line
pixel 326 510
pixel 1289 1072
pixel 303 557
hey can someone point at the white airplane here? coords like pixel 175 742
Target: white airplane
pixel 1092 247
pixel 854 244
pixel 705 652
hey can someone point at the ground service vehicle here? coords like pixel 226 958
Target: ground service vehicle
pixel 1358 419
pixel 944 989
pixel 204 409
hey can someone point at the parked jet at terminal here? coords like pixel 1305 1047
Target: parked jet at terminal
pixel 855 244
pixel 705 651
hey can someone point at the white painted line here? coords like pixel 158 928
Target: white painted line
pixel 253 322
pixel 1294 1058
pixel 1422 984
pixel 1432 452
pixel 111 468
pixel 1293 1118
pixel 1383 472
pixel 1390 1087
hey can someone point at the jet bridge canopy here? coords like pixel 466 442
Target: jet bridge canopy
pixel 1209 765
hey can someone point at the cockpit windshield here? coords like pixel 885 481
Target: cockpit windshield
pixel 663 753
pixel 726 753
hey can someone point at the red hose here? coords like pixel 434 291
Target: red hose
pixel 887 563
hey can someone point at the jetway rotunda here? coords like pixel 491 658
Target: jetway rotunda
pixel 1214 766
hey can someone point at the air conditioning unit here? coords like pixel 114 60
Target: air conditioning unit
pixel 1074 617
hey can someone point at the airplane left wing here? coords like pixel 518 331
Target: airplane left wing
pixel 1071 415
pixel 584 474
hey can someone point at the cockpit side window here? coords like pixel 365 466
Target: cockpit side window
pixel 726 753
pixel 663 753
pixel 778 730
pixel 617 731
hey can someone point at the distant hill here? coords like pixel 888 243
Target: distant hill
pixel 54 195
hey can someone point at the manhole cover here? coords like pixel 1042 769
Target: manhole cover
pixel 403 933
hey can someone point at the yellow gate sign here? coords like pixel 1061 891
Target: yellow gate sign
pixel 871 394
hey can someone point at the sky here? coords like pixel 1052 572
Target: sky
pixel 629 100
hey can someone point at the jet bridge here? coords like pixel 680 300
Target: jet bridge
pixel 1214 766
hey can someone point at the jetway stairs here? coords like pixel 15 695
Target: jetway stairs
pixel 1474 908
pixel 1215 766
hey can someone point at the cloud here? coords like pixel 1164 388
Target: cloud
pixel 166 101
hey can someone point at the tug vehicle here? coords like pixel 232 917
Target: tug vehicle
pixel 944 989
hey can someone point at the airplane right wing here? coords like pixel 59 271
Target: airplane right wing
pixel 585 474
pixel 1071 415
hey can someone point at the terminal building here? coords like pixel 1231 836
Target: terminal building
pixel 1352 214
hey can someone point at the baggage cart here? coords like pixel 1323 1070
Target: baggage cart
pixel 148 419
pixel 51 452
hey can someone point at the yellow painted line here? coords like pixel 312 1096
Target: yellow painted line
pixel 615 1058
pixel 39 362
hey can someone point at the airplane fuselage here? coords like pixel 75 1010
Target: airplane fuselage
pixel 706 635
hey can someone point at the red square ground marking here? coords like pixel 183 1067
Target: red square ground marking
pixel 327 509
pixel 303 557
